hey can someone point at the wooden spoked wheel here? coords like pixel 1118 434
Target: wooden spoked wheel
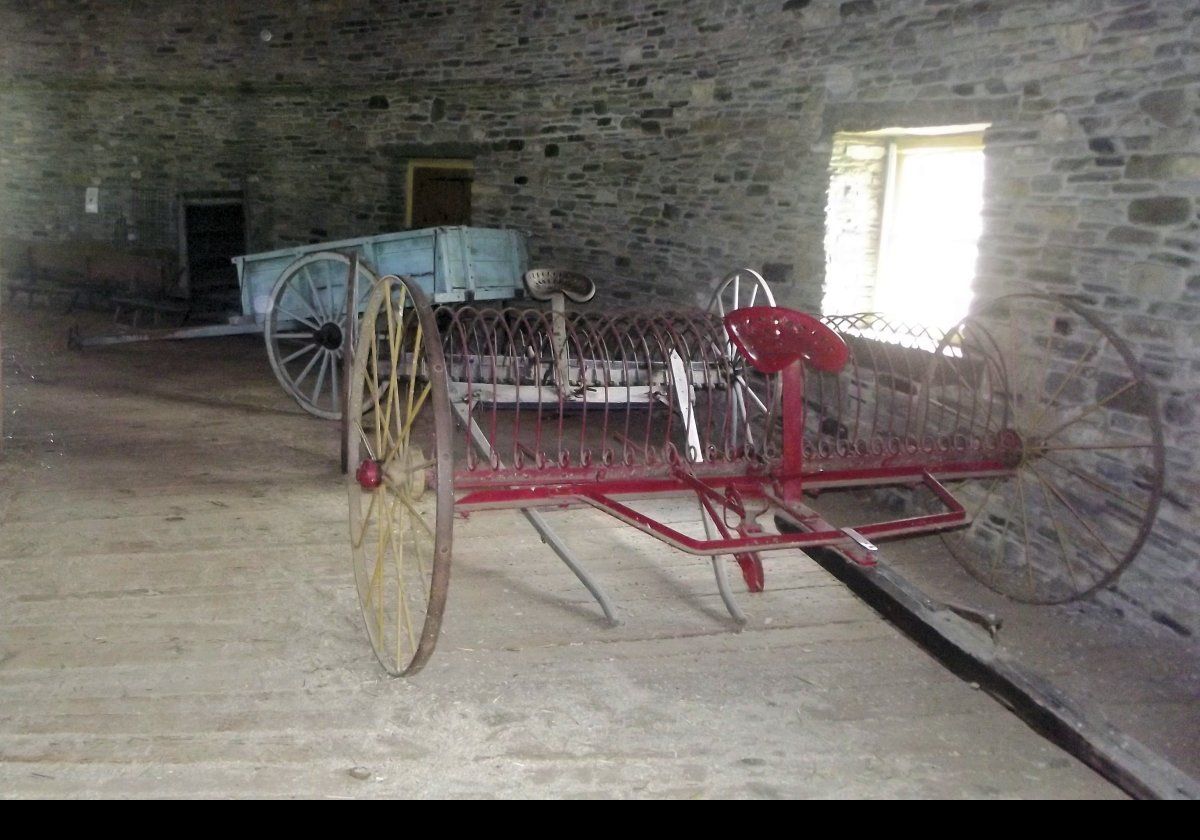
pixel 738 289
pixel 401 495
pixel 306 327
pixel 1059 393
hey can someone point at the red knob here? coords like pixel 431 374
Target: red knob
pixel 369 474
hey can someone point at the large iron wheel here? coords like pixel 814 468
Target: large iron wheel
pixel 401 495
pixel 1055 388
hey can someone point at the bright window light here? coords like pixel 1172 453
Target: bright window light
pixel 906 207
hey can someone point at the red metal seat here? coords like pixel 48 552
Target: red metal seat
pixel 772 337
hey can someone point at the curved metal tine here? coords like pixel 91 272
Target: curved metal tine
pixel 480 441
pixel 551 538
pixel 722 575
pixel 603 355
pixel 710 374
pixel 719 570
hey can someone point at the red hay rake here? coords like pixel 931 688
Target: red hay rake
pixel 1028 433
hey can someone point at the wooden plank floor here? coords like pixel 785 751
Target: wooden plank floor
pixel 177 618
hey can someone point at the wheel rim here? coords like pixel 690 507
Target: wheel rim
pixel 1081 425
pixel 305 329
pixel 743 287
pixel 401 517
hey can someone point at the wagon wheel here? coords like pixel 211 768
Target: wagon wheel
pixel 306 326
pixel 1061 394
pixel 747 399
pixel 740 288
pixel 401 496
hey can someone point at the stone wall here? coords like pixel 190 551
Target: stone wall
pixel 650 143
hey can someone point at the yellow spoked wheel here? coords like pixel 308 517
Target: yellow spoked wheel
pixel 401 493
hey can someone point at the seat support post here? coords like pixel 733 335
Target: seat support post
pixel 792 406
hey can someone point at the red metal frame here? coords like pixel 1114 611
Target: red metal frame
pixel 721 487
pixel 780 341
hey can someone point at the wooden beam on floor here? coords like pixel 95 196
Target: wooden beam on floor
pixel 968 651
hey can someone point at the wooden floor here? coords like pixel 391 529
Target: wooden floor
pixel 178 618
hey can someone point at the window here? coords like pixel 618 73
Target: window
pixel 903 223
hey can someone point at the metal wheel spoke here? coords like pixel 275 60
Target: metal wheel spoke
pixel 395 549
pixel 1024 505
pixel 1070 377
pixel 1062 542
pixel 999 552
pixel 1102 486
pixel 1065 502
pixel 365 442
pixel 1094 408
pixel 412 412
pixel 418 517
pixel 1087 446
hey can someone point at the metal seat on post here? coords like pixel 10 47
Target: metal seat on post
pixel 778 340
pixel 555 285
pixel 545 283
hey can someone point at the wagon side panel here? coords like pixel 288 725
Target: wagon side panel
pixel 409 254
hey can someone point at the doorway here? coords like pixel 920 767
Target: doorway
pixel 439 193
pixel 212 232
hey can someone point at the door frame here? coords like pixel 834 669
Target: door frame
pixel 211 199
pixel 429 163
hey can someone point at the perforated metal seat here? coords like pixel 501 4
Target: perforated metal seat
pixel 544 283
pixel 772 337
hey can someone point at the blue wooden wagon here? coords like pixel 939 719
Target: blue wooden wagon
pixel 296 297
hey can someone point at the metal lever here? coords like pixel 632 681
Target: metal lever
pixel 860 539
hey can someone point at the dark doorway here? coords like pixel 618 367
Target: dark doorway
pixel 214 231
pixel 441 194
